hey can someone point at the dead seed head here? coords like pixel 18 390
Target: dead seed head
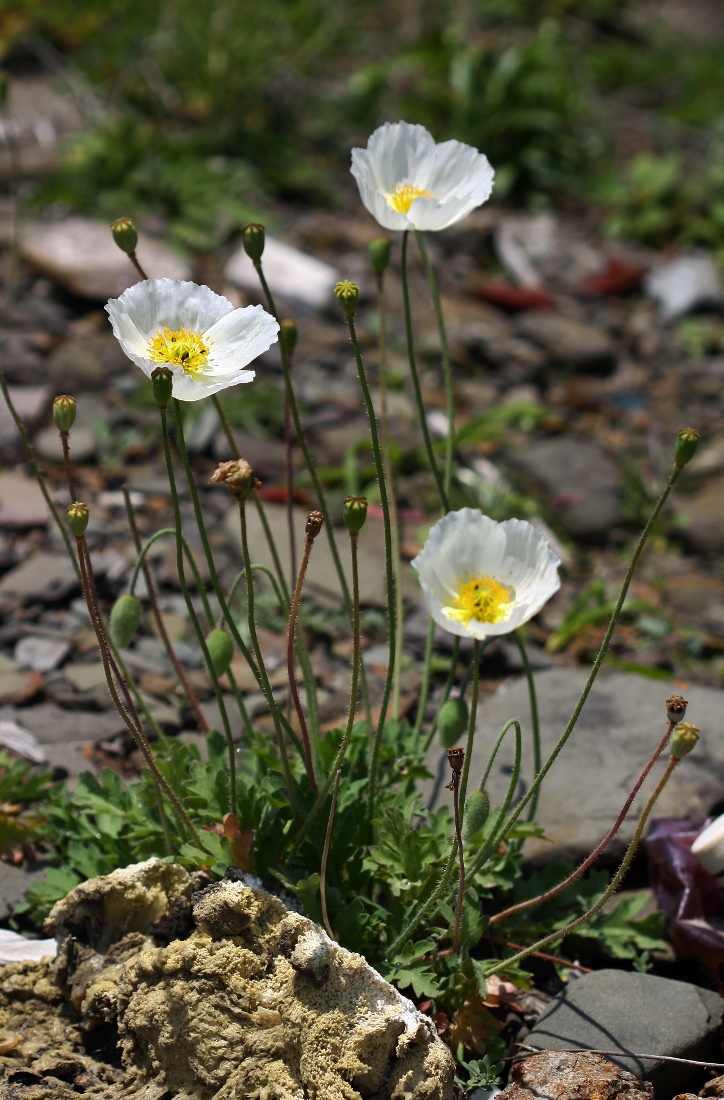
pixel 314 524
pixel 455 758
pixel 676 708
pixel 237 475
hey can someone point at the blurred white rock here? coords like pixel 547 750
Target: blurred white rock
pixel 15 948
pixel 291 274
pixel 684 284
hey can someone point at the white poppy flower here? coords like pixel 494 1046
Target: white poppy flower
pixel 406 181
pixel 198 334
pixel 481 577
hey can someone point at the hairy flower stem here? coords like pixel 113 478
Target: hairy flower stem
pixel 308 544
pixel 325 856
pixel 192 610
pixel 266 686
pixel 426 674
pixel 446 368
pixel 506 914
pixel 66 463
pixel 461 860
pixel 289 471
pixel 416 378
pixel 134 260
pixel 611 889
pixel 389 575
pixel 445 694
pixel 394 518
pixel 534 720
pixel 339 759
pixel 460 790
pixel 158 618
pixel 234 451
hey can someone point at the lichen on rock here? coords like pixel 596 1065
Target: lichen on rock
pixel 250 999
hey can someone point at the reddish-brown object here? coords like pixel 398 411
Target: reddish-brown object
pixel 580 1076
pixel 277 494
pixel 714 1090
pixel 514 298
pixel 615 277
pixel 691 898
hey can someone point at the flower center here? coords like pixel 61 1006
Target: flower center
pixel 180 348
pixel 402 199
pixel 481 598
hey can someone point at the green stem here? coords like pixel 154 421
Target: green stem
pixel 471 724
pixel 534 720
pixel 446 692
pixel 425 686
pixel 270 576
pixel 190 607
pixel 447 370
pixel 389 575
pixel 491 759
pixel 416 380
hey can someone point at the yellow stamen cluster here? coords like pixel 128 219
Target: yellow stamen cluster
pixel 481 598
pixel 402 199
pixel 180 348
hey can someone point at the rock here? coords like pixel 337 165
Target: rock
pixel 701 516
pixel 576 478
pixel 90 679
pixel 40 111
pixel 21 742
pixel 713 1089
pixel 523 242
pixel 694 593
pixel 269 453
pixel 86 362
pixel 30 403
pixel 82 444
pixel 619 1010
pixel 569 342
pixel 54 725
pixel 21 502
pixel 17 948
pixel 41 653
pixel 80 255
pixel 683 285
pixel 291 274
pixel 16 685
pixel 478 333
pixel 621 723
pixel 45 577
pixel 573 1077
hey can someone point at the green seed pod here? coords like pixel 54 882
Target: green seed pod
pixel 347 295
pixel 685 447
pixel 125 618
pixel 221 650
pixel 64 412
pixel 683 739
pixel 477 808
pixel 354 514
pixel 379 250
pixel 288 336
pixel 253 238
pixel 452 723
pixel 77 514
pixel 162 382
pixel 125 235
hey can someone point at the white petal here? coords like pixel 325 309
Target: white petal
pixel 379 207
pixel 185 388
pixel 238 338
pixel 397 152
pixel 460 172
pixel 431 215
pixel 171 303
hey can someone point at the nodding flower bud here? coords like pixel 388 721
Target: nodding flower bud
pixel 237 475
pixel 314 524
pixel 379 250
pixel 253 238
pixel 683 739
pixel 354 514
pixel 676 708
pixel 125 235
pixel 288 336
pixel 77 514
pixel 347 295
pixel 162 382
pixel 452 722
pixel 125 619
pixel 685 447
pixel 64 412
pixel 455 759
pixel 477 808
pixel 221 650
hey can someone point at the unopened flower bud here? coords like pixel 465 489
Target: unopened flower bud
pixel 77 514
pixel 314 524
pixel 683 739
pixel 221 650
pixel 253 237
pixel 455 758
pixel 354 514
pixel 452 722
pixel 379 250
pixel 288 336
pixel 125 235
pixel 237 475
pixel 676 708
pixel 125 619
pixel 477 808
pixel 162 382
pixel 347 295
pixel 64 412
pixel 685 446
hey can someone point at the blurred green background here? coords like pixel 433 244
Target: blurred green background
pixel 214 112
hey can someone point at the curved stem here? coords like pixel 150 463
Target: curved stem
pixel 325 856
pixel 425 686
pixel 416 380
pixel 446 368
pixel 308 544
pixel 446 693
pixel 134 260
pixel 270 576
pixel 534 720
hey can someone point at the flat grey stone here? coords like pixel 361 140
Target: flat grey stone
pixel 21 502
pixel 45 577
pixel 576 478
pixel 41 653
pixel 701 516
pixel 30 403
pixel 54 725
pixel 290 273
pixel 620 725
pixel 618 1010
pixel 569 342
pixel 82 444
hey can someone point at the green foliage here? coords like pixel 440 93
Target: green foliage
pixel 483 1073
